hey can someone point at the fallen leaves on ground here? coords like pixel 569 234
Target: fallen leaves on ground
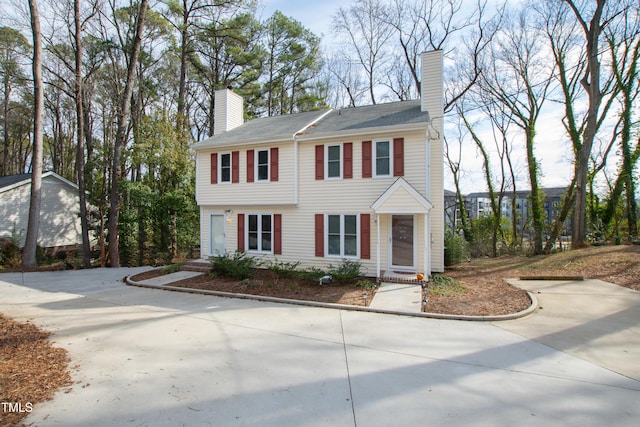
pixel 31 369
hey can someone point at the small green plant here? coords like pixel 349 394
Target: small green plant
pixel 366 284
pixel 445 286
pixel 347 270
pixel 236 265
pixel 285 269
pixel 172 268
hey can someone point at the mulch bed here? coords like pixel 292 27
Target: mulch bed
pixel 267 283
pixel 31 369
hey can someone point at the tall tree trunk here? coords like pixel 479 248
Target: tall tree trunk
pixel 121 137
pixel 29 259
pixel 591 84
pixel 80 164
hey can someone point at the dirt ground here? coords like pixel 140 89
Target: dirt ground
pixel 31 369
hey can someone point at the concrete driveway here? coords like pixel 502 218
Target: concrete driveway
pixel 155 358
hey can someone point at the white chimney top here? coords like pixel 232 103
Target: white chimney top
pixel 229 111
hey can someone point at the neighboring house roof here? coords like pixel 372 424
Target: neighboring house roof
pixel 548 192
pixel 320 123
pixel 12 181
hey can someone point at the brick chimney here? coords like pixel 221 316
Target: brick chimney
pixel 229 111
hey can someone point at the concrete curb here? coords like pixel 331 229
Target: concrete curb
pixel 529 310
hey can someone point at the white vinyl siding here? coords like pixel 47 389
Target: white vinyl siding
pixel 281 192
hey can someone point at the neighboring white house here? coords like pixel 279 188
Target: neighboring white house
pixel 59 211
pixel 318 187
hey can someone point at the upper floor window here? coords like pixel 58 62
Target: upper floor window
pixel 262 165
pixel 334 161
pixel 383 158
pixel 225 167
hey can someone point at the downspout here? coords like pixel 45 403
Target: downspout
pixel 295 170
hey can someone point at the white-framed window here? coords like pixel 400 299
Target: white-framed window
pixel 382 166
pixel 259 232
pixel 262 165
pixel 333 162
pixel 342 235
pixel 225 167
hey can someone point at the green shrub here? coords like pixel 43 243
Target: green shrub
pixel 456 248
pixel 236 265
pixel 284 269
pixel 172 268
pixel 347 270
pixel 445 286
pixel 366 284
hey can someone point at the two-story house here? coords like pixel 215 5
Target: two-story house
pixel 318 187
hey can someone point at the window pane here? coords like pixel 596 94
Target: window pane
pixel 263 157
pixel 266 222
pixel 350 224
pixel 334 153
pixel 334 244
pixel 382 149
pixel 225 160
pixel 350 245
pixel 333 170
pixel 253 223
pixel 334 224
pixel 266 241
pixel 253 241
pixel 382 166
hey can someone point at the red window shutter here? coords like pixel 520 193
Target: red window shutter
pixel 277 234
pixel 319 235
pixel 347 154
pixel 365 236
pixel 214 168
pixel 274 164
pixel 250 165
pixel 367 169
pixel 235 166
pixel 398 156
pixel 241 232
pixel 320 162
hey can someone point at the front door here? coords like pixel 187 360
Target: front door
pixel 402 242
pixel 216 235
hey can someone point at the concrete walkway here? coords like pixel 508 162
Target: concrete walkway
pixel 149 357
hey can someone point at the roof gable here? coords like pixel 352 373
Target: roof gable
pixel 401 197
pixel 12 181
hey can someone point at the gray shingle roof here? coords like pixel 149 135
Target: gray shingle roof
pixel 278 128
pixel 371 116
pixel 6 181
pixel 267 128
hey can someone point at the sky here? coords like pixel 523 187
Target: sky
pixel 555 157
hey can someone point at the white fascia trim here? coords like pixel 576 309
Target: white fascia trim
pixel 362 132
